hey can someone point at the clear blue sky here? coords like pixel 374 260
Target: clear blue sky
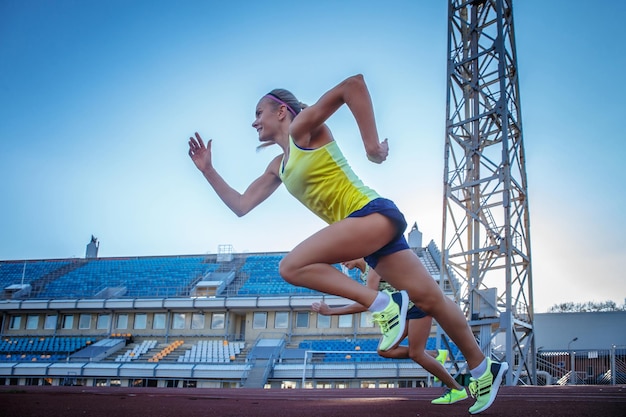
pixel 98 98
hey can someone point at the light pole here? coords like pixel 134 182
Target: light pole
pixel 572 379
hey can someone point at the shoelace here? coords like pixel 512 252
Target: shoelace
pixel 478 385
pixel 473 388
pixel 382 322
pixel 447 393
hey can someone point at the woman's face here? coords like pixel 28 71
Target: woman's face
pixel 266 120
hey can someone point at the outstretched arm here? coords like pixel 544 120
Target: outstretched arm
pixel 326 310
pixel 240 204
pixel 354 93
pixel 373 279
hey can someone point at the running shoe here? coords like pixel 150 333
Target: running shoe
pixel 451 396
pixel 442 357
pixel 485 388
pixel 392 319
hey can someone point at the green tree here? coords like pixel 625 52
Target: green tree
pixel 588 307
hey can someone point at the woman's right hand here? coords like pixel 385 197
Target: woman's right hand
pixel 199 153
pixel 379 154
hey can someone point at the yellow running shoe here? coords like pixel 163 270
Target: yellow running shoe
pixel 392 320
pixel 442 357
pixel 451 396
pixel 485 388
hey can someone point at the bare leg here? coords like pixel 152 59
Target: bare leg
pixel 397 352
pixel 310 263
pixel 419 330
pixel 405 271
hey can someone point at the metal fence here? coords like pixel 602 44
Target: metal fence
pixel 582 367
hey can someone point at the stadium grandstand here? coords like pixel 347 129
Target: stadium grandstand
pixel 216 321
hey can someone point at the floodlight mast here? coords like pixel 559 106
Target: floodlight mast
pixel 486 222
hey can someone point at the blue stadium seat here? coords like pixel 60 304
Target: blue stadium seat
pixel 142 277
pixel 365 345
pixel 26 271
pixel 264 278
pixel 41 348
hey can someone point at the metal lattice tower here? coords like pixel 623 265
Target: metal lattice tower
pixel 486 228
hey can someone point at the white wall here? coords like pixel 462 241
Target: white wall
pixel 553 331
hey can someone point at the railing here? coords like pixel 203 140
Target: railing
pixel 584 367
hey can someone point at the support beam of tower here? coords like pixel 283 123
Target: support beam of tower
pixel 486 222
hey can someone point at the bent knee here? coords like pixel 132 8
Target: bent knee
pixel 288 270
pixel 429 303
pixel 417 356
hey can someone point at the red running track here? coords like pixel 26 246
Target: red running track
pixel 520 401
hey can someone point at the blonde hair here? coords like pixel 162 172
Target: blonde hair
pixel 280 96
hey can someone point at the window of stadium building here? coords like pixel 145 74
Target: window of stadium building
pixel 15 323
pixel 158 323
pixel 51 322
pixel 98 382
pixel 31 381
pixel 8 381
pixel 122 321
pixel 104 320
pixel 32 322
pixel 140 321
pixel 178 323
pixel 197 321
pixel 259 320
pixel 366 319
pixel 345 321
pixel 323 322
pixel 281 320
pixel 84 321
pixel 217 321
pixel 302 320
pixel 140 382
pixel 68 322
pixel 172 383
pixel 288 384
pixel 72 381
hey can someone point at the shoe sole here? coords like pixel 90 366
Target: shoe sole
pixel 402 319
pixel 494 387
pixel 457 400
pixel 451 402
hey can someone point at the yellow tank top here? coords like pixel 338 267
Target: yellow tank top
pixel 322 180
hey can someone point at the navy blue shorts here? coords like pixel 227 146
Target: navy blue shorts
pixel 388 209
pixel 415 313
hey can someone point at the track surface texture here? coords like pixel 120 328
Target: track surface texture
pixel 522 401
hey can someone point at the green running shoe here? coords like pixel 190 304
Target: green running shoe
pixel 392 320
pixel 451 396
pixel 485 388
pixel 442 357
